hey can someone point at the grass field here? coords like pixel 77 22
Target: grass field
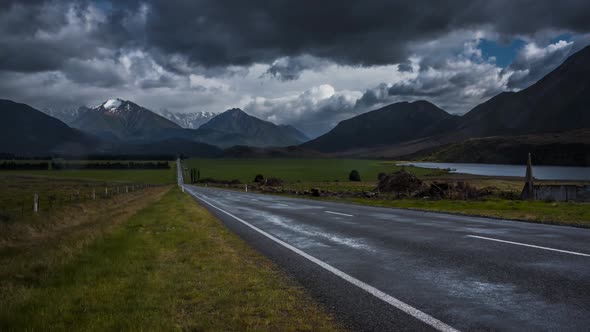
pixel 332 175
pixel 298 170
pixel 156 176
pixel 16 194
pixel 156 262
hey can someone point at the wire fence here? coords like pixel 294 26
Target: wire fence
pixel 26 203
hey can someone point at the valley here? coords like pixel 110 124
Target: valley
pixel 291 166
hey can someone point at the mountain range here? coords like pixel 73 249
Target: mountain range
pixel 122 119
pixel 188 120
pixel 235 127
pixel 119 126
pixel 558 103
pixel 551 116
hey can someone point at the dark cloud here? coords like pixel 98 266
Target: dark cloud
pixel 217 33
pixel 94 73
pixel 196 50
pixel 405 67
pixel 290 68
pixel 533 62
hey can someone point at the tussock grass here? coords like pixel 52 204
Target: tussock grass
pixel 169 266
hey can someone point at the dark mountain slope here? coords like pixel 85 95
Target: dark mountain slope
pixel 27 131
pixel 559 101
pixel 389 125
pixel 235 127
pixel 122 119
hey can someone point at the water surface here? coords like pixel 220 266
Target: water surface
pixel 539 172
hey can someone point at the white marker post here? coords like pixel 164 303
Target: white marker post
pixel 36 203
pixel 246 187
pixel 93 194
pixel 106 192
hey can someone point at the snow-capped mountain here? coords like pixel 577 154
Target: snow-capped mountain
pixel 118 118
pixel 188 120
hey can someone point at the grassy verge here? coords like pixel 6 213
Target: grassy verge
pixel 560 213
pixel 170 266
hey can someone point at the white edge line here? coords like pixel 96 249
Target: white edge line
pixel 340 214
pixel 529 245
pixel 408 309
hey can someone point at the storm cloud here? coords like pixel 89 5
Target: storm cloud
pixel 270 56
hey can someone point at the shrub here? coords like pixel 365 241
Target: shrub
pixel 274 182
pixel 354 175
pixel 399 182
pixel 259 178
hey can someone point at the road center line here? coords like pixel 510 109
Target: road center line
pixel 529 245
pixel 408 309
pixel 340 214
pixel 281 204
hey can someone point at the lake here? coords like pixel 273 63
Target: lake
pixel 539 172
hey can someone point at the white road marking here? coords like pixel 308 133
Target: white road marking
pixel 529 245
pixel 408 309
pixel 340 214
pixel 281 204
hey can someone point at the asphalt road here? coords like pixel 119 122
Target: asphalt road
pixel 394 269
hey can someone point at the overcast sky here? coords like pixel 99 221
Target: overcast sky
pixel 305 63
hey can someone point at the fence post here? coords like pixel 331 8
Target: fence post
pixel 93 194
pixel 106 191
pixel 246 187
pixel 36 203
pixel 126 189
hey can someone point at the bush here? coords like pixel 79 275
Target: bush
pixel 274 182
pixel 399 182
pixel 259 178
pixel 354 175
pixel 381 176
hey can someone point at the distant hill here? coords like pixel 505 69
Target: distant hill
pixel 235 127
pixel 27 131
pixel 122 119
pixel 392 124
pixel 571 148
pixel 559 101
pixel 188 120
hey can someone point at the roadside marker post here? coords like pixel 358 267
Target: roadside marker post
pixel 246 187
pixel 36 203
